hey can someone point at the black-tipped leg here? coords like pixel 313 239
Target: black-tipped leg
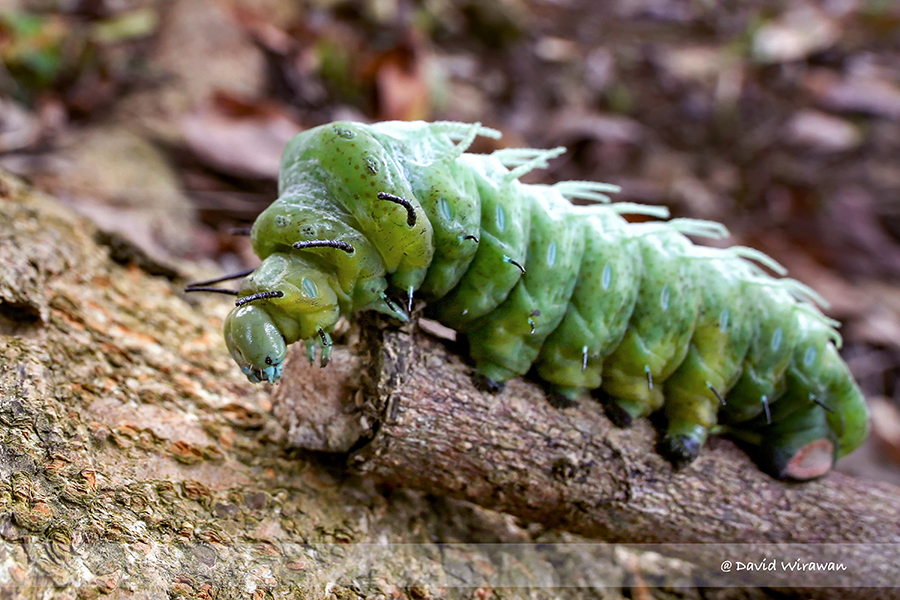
pixel 614 411
pixel 681 450
pixel 486 384
pixel 560 401
pixel 618 415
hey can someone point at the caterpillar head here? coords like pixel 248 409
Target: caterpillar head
pixel 255 343
pixel 285 300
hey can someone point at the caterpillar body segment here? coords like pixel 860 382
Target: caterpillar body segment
pixel 600 307
pixel 447 193
pixel 371 216
pixel 502 247
pixel 357 171
pixel 507 341
pixel 715 357
pixel 762 379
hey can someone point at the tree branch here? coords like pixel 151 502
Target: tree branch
pixel 571 469
pixel 136 460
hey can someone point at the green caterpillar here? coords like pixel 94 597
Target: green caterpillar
pixel 634 313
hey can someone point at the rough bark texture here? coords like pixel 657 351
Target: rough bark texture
pixel 135 461
pixel 570 469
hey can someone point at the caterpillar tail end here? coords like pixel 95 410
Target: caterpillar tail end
pixel 810 460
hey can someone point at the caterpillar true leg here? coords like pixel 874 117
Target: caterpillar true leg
pixel 326 347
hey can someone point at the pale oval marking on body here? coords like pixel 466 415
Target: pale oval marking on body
pixel 551 254
pixel 309 287
pixel 776 339
pixel 444 208
pixel 501 218
pixel 810 356
pixel 664 297
pixel 723 320
pixel 607 276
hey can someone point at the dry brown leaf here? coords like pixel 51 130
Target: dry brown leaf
pixel 847 301
pixel 241 138
pixel 402 95
pixel 877 326
pixel 886 427
pixel 865 93
pixel 126 185
pixel 402 82
pixel 201 49
pixel 568 126
pixel 802 31
pixel 855 237
pixel 823 132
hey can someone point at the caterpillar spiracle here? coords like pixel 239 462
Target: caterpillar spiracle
pixel 371 216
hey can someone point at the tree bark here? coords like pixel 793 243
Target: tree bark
pixel 136 461
pixel 425 426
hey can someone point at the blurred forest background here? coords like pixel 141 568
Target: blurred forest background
pixel 164 120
